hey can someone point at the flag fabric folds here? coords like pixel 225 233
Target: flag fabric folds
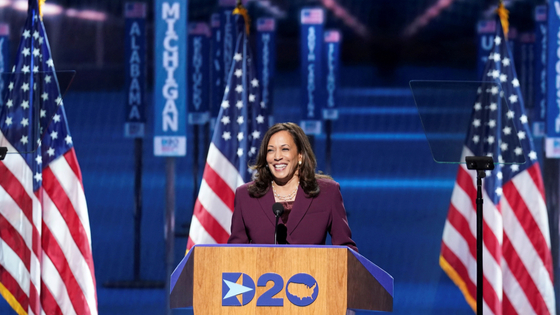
pixel 517 261
pixel 46 264
pixel 241 123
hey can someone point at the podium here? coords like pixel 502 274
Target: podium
pixel 279 279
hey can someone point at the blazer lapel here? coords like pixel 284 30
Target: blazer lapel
pixel 266 203
pixel 301 205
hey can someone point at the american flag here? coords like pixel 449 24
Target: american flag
pixel 266 24
pixel 486 27
pixel 46 264
pixel 541 13
pixel 518 276
pixel 332 36
pixel 135 10
pixel 240 125
pixel 312 16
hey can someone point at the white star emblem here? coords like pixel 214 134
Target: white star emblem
pixel 239 89
pixel 10 103
pixel 497 40
pixel 237 57
pixel 39 159
pixel 477 106
pixel 499 191
pixel 26 34
pixel 504 146
pixel 50 151
pixel 38 177
pixel 45 96
pixel 50 63
pixel 23 139
pixel 492 123
pixel 8 121
pixel 510 114
pixel 43 113
pixel 505 62
pixel 225 104
pixel 25 69
pixel 499 175
pixel 493 106
pixel 491 139
pixel 11 86
pixel 238 73
pixel 476 122
pixel 255 82
pixel 25 104
pixel 495 74
pixel 68 139
pixel 503 78
pixel 239 152
pixel 240 136
pixel 25 87
pixel 263 105
pixel 25 122
pixel 256 134
pixel 35 69
pixel 26 52
pixel 515 82
pixel 521 135
pixel 48 79
pixel 513 98
pixel 260 119
pixel 507 130
pixel 35 34
pixel 523 119
pixel 253 150
pixel 494 90
pixel 518 151
pixel 56 118
pixel 240 120
pixel 225 120
pixel 54 135
pixel 251 98
pixel 36 52
pixel 226 135
pixel 58 101
pixel 239 104
pixel 475 138
pixel 533 155
pixel 496 57
pixel 514 167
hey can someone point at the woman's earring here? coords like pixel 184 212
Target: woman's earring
pixel 299 162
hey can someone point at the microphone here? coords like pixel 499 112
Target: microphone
pixel 278 209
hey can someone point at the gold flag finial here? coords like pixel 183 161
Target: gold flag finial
pixel 240 9
pixel 503 13
pixel 41 2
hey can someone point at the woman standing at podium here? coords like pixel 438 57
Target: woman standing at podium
pixel 285 173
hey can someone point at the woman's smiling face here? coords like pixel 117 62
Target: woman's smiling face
pixel 282 156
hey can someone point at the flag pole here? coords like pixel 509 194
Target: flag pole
pixel 169 226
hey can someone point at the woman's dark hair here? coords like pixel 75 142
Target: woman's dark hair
pixel 307 177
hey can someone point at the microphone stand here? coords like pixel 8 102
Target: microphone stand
pixel 276 229
pixel 481 164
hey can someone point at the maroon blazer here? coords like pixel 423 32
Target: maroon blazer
pixel 310 219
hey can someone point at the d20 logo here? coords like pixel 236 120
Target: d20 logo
pixel 231 289
pixel 302 289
